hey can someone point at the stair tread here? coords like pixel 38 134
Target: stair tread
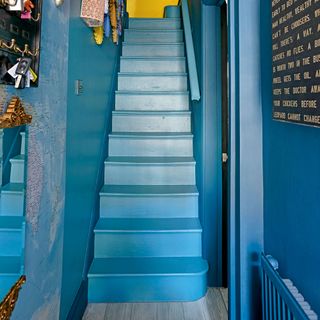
pixel 11 223
pixel 125 43
pixel 151 160
pixel 147 266
pixel 155 19
pixel 153 74
pixel 152 134
pixel 149 58
pixel 154 30
pixel 185 92
pixel 151 112
pixel 13 188
pixel 156 190
pixel 10 265
pixel 148 225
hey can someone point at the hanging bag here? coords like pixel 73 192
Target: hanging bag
pixel 92 12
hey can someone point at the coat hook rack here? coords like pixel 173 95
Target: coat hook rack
pixel 14 47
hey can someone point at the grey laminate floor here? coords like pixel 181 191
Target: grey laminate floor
pixel 213 306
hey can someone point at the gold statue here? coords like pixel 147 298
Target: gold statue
pixel 14 115
pixel 9 302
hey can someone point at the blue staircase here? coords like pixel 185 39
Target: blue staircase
pixel 148 239
pixel 12 224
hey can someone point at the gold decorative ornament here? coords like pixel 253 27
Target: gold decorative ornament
pixel 15 115
pixel 98 35
pixel 113 20
pixel 10 300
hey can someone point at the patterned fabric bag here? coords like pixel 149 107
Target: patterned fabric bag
pixel 92 12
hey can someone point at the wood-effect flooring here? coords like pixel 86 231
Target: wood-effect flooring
pixel 214 306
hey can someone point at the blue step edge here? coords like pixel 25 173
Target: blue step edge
pixel 147 267
pixel 151 135
pixel 154 225
pixel 152 74
pixel 139 190
pixel 147 279
pixel 152 113
pixel 150 160
pixel 147 44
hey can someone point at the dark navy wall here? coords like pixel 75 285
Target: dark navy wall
pixel 291 190
pixel 88 123
pixel 205 21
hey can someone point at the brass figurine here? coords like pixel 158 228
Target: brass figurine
pixel 15 115
pixel 10 300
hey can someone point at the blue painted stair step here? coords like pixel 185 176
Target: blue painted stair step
pixel 147 279
pixel 151 144
pixel 11 252
pixel 154 24
pixel 150 170
pixel 153 65
pixel 10 271
pixel 138 35
pixel 148 239
pixel 11 235
pixel 139 49
pixel 152 82
pixel 149 201
pixel 152 100
pixel 151 121
pixel 12 223
pixel 12 199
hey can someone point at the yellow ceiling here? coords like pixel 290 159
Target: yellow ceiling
pixel 148 8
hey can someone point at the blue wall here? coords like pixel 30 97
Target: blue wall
pixel 205 21
pixel 88 123
pixel 66 149
pixel 245 160
pixel 291 190
pixel 40 296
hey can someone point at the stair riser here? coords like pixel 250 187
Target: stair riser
pixel 145 36
pixel 154 25
pixel 17 171
pixel 12 204
pixel 147 288
pixel 141 50
pixel 150 123
pixel 149 66
pixel 149 206
pixel 152 83
pixel 180 244
pixel 150 147
pixel 149 174
pixel 10 243
pixel 154 102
